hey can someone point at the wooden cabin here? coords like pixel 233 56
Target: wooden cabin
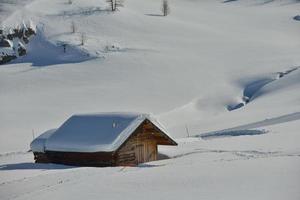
pixel 105 139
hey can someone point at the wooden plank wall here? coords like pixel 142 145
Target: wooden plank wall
pixel 139 148
pixel 101 159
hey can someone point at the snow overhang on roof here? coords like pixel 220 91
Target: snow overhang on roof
pixel 102 132
pixel 38 144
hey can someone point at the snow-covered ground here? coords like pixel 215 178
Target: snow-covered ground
pixel 188 69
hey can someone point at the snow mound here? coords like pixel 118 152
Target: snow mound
pixel 254 87
pixel 42 52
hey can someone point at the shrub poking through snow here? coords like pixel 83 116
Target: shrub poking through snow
pixel 165 8
pixel 115 4
pixel 13 40
pixel 297 17
pixel 73 27
pixel 112 47
pixel 119 3
pixel 111 4
pixel 83 38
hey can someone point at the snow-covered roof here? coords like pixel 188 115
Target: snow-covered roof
pixel 38 144
pixel 102 132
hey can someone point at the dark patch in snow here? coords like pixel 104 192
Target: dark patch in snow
pixel 263 2
pixel 267 122
pixel 232 133
pixel 282 74
pixel 161 156
pixel 27 166
pixel 259 3
pixel 145 165
pixel 227 1
pixel 84 11
pixel 154 15
pixel 266 2
pixel 297 17
pixel 231 107
pixel 240 154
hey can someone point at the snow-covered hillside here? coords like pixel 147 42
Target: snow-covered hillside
pixel 211 68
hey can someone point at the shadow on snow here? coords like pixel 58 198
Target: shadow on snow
pixel 29 166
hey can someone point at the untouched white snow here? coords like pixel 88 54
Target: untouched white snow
pixel 187 69
pixel 248 167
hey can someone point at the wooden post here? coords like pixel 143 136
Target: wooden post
pixel 33 136
pixel 187 131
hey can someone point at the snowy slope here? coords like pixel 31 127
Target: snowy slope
pixel 187 68
pixel 249 167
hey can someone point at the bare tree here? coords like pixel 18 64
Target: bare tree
pixel 73 27
pixel 165 7
pixel 83 38
pixel 111 4
pixel 115 4
pixel 64 45
pixel 119 3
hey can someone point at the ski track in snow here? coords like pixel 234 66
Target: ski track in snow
pixel 241 155
pixel 263 2
pixel 70 177
pixel 9 154
pixel 267 122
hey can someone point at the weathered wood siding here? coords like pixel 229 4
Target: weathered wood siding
pixel 101 159
pixel 140 147
pixel 136 150
pixel 41 157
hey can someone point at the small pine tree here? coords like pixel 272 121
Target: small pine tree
pixel 119 3
pixel 115 4
pixel 83 38
pixel 64 45
pixel 165 7
pixel 111 4
pixel 73 27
